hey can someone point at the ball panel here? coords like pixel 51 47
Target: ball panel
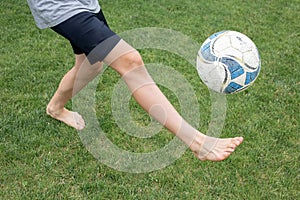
pixel 232 88
pixel 220 44
pixel 251 59
pixel 251 76
pixel 213 77
pixel 207 54
pixel 234 67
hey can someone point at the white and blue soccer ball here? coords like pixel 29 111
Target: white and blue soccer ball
pixel 228 62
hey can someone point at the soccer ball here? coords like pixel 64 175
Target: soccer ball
pixel 228 62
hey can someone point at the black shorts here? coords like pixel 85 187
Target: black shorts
pixel 86 31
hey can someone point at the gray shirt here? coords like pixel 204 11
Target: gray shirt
pixel 49 13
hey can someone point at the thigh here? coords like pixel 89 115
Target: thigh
pixel 86 31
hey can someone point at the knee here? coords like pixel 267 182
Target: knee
pixel 128 62
pixel 133 59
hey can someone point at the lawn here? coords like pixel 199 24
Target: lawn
pixel 41 158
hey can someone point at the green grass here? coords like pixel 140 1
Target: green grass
pixel 41 158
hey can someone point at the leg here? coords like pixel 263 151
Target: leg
pixel 86 32
pixel 131 67
pixel 56 107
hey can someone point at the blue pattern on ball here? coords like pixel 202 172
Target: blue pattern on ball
pixel 232 87
pixel 206 53
pixel 250 76
pixel 233 66
pixel 206 49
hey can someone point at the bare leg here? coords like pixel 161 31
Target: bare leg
pixel 131 67
pixel 56 107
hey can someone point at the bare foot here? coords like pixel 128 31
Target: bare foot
pixel 214 149
pixel 70 118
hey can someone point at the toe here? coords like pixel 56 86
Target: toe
pixel 232 146
pixel 230 150
pixel 238 140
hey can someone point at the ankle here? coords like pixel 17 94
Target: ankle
pixel 198 142
pixel 54 110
